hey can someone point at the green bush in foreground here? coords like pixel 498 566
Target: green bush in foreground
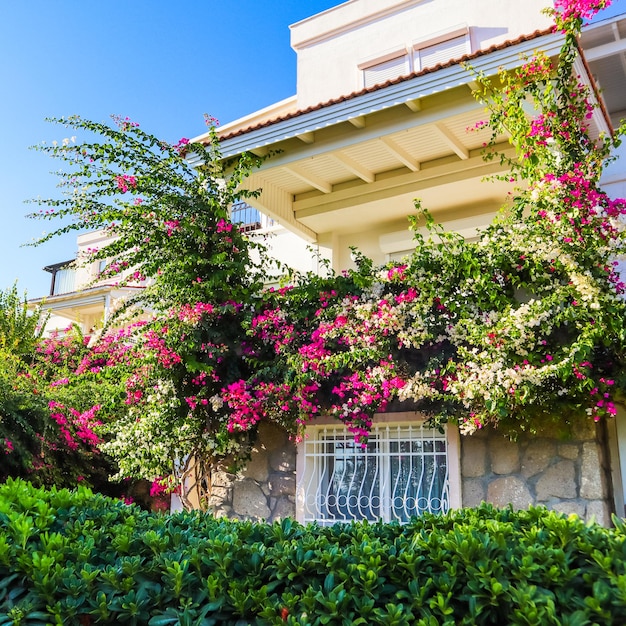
pixel 81 558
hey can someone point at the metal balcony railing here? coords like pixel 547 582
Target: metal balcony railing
pixel 248 218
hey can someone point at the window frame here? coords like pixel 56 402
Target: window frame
pixel 307 475
pixel 419 47
pixel 409 58
pixel 398 62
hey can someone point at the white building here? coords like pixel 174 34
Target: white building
pixel 379 119
pixel 79 294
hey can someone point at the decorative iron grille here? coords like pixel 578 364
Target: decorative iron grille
pixel 401 472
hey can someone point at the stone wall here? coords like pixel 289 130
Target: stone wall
pixel 266 489
pixel 564 473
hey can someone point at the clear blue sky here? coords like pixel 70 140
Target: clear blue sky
pixel 163 63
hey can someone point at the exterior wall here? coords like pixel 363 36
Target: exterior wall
pixel 86 274
pixel 566 474
pixel 265 489
pixel 396 239
pixel 88 302
pixel 614 176
pixel 569 475
pixel 290 249
pixel 332 44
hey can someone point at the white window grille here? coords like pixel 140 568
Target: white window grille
pixel 400 473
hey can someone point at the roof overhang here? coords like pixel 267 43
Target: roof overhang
pixel 359 163
pixel 77 304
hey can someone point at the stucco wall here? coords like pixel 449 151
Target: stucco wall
pixel 330 45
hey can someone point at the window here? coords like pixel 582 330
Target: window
pixel 380 73
pixel 64 281
pixel 425 56
pixel 403 471
pixel 439 49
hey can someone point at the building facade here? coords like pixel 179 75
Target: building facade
pixel 80 294
pixel 380 118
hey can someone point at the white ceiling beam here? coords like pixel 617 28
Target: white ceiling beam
pixel 400 153
pixel 424 179
pixel 357 122
pixel 307 137
pixel 350 140
pixel 461 151
pixel 616 34
pixel 353 166
pixel 310 179
pixel 606 50
pixel 414 105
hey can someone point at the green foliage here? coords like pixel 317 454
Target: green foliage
pixel 75 557
pixel 41 439
pixel 167 211
pixel 31 443
pixel 166 208
pixel 20 329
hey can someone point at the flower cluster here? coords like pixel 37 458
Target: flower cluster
pixel 125 181
pixel 574 10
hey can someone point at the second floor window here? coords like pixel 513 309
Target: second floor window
pixel 424 54
pixel 387 70
pixel 440 52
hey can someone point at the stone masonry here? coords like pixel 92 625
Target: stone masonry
pixel 266 488
pixel 565 474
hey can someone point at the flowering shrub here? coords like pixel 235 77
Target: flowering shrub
pixel 47 430
pixel 166 216
pixel 525 325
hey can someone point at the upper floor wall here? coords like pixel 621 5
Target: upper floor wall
pixel 361 43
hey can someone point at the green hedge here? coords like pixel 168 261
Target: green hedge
pixel 80 558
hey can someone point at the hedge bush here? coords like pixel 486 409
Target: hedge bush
pixel 75 557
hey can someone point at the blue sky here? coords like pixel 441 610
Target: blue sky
pixel 160 62
pixel 163 63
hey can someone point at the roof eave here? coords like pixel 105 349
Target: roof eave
pixel 399 92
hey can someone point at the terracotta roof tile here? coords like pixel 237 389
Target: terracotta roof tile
pixel 395 81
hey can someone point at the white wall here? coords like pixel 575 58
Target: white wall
pixel 291 250
pixel 614 177
pixel 331 45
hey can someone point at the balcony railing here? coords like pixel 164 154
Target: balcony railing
pixel 248 218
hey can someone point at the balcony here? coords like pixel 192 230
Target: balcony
pixel 248 218
pixel 63 278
